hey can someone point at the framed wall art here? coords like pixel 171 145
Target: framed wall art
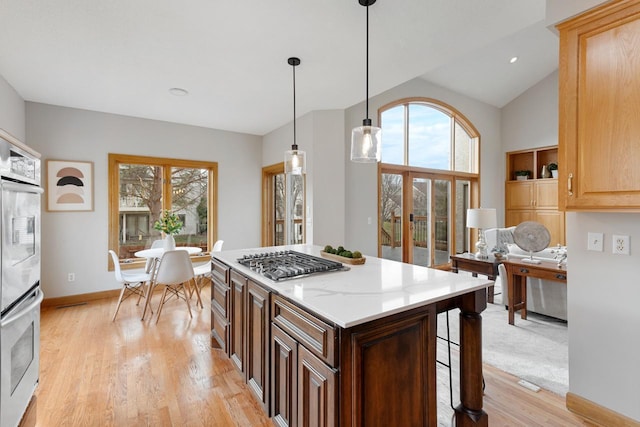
pixel 69 186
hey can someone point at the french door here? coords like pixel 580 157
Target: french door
pixel 422 216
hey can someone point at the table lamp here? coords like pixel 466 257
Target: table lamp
pixel 481 218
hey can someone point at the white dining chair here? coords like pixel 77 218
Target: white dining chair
pixel 174 272
pixel 133 283
pixel 203 271
pixel 151 261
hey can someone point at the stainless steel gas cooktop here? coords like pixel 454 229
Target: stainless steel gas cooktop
pixel 283 265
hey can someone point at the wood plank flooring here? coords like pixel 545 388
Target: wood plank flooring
pixel 94 372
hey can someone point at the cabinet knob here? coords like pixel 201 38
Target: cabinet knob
pixel 570 184
pixel 524 270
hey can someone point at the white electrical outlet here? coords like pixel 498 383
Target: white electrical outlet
pixel 620 245
pixel 72 277
pixel 594 242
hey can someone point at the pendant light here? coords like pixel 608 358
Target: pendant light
pixel 294 160
pixel 366 139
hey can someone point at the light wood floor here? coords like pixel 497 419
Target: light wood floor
pixel 131 373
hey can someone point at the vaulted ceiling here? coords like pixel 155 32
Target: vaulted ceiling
pixel 123 56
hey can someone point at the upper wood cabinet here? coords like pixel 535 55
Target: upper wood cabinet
pixel 534 199
pixel 599 109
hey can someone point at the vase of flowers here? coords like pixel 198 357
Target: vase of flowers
pixel 169 224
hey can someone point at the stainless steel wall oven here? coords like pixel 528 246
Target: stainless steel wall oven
pixel 20 293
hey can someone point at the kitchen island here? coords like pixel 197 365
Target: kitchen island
pixel 347 348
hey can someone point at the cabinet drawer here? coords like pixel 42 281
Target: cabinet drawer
pixel 316 335
pixel 219 271
pixel 220 297
pixel 541 274
pixel 219 330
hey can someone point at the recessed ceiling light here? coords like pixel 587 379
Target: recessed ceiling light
pixel 512 60
pixel 178 91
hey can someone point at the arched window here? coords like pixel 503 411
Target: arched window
pixel 428 178
pixel 428 134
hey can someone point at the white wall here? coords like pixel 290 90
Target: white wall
pixel 361 179
pixel 319 134
pixel 528 121
pixel 604 320
pixel 603 291
pixel 12 111
pixel 77 242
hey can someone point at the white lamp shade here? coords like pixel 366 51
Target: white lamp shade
pixel 366 142
pixel 481 218
pixel 295 162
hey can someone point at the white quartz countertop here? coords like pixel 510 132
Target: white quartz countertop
pixel 366 292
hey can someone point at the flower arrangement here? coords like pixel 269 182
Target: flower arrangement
pixel 169 223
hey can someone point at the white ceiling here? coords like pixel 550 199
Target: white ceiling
pixel 122 56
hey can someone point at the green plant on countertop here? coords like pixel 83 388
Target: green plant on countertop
pixel 341 251
pixel 552 166
pixel 169 223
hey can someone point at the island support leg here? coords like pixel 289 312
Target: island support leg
pixel 469 412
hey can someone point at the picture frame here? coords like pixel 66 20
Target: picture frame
pixel 69 186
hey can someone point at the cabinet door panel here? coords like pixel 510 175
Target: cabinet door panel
pixel 257 343
pixel 599 133
pixel 237 317
pixel 316 391
pixel 515 217
pixel 284 375
pixel 554 221
pixel 519 194
pixel 546 194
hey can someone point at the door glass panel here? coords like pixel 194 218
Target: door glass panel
pixel 461 206
pixel 140 203
pixel 391 216
pixel 189 200
pixel 442 220
pixel 278 209
pixel 295 209
pixel 421 233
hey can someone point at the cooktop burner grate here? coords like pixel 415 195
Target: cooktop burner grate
pixel 282 265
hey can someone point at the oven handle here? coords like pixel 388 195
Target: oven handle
pixel 39 296
pixel 14 186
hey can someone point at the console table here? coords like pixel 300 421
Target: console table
pixel 517 273
pixel 468 262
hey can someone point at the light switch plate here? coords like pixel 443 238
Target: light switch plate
pixel 595 242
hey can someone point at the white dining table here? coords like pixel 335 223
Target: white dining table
pixel 155 254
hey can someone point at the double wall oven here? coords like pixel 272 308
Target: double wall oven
pixel 20 279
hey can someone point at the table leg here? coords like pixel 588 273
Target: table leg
pixel 511 278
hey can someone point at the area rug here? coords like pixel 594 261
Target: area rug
pixel 535 349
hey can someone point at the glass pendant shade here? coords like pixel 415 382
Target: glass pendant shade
pixel 295 162
pixel 365 144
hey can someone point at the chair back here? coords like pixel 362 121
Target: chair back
pixel 157 244
pixel 217 247
pixel 154 245
pixel 175 268
pixel 502 272
pixel 116 266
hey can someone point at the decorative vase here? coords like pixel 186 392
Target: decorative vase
pixel 554 173
pixel 169 243
pixel 545 172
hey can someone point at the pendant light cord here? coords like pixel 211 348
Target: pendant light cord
pixel 367 67
pixel 295 144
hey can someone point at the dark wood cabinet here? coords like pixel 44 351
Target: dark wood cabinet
pixel 284 375
pixel 237 318
pixel 317 391
pixel 307 371
pixel 258 322
pixel 377 395
pixel 219 305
